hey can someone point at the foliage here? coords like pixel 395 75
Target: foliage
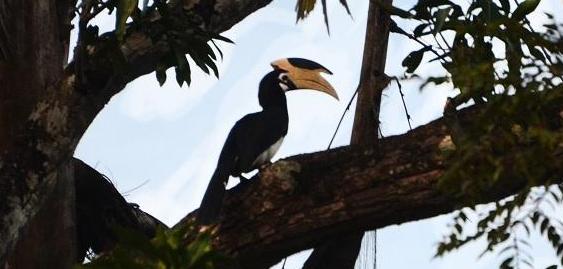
pixel 183 34
pixel 304 7
pixel 511 86
pixel 167 250
pixel 508 224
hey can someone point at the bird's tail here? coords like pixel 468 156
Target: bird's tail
pixel 212 202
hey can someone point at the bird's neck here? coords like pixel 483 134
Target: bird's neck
pixel 273 99
pixel 279 108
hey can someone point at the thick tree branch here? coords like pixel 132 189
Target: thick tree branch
pixel 303 200
pixel 139 54
pixel 44 111
pixel 34 139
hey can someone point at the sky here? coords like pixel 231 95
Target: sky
pixel 159 145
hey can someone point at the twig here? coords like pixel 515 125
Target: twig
pixel 404 104
pixel 342 117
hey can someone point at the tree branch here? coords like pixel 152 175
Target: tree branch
pixel 45 111
pixel 341 252
pixel 303 200
pixel 139 54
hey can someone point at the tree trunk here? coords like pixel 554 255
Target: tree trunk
pixel 49 239
pixel 43 113
pixel 34 145
pixel 341 252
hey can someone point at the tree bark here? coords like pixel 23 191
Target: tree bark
pixel 33 126
pixel 304 200
pixel 49 239
pixel 44 111
pixel 372 78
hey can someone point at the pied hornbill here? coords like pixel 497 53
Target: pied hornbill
pixel 256 137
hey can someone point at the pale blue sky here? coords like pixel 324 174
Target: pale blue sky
pixel 168 138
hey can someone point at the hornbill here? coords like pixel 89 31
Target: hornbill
pixel 256 137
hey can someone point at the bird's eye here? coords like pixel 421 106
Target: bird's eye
pixel 283 77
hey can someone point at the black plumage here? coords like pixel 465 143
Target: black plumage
pixel 251 143
pixel 255 138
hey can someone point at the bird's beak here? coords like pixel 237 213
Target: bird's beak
pixel 305 74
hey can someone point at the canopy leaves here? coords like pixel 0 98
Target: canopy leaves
pixel 305 7
pixel 196 43
pixel 166 250
pixel 494 58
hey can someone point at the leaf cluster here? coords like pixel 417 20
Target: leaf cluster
pixel 304 7
pixel 179 30
pixel 491 54
pixel 508 224
pixel 167 250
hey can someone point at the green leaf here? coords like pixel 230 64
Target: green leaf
pixel 345 4
pixel 505 6
pixel 525 8
pixel 492 11
pixel 124 9
pixel 458 228
pixel 161 73
pixel 217 48
pixel 304 7
pixel 536 53
pixel 441 16
pixel 325 15
pixel 527 262
pixel 412 61
pixel 426 4
pixel 183 74
pixel 462 215
pixel 182 67
pixel 394 11
pixel 535 217
pixel 506 249
pixel 419 30
pixel 200 57
pixel 506 263
pixel 544 225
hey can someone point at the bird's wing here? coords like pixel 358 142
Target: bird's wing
pixel 256 134
pixel 250 137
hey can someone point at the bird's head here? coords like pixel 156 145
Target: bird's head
pixel 302 74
